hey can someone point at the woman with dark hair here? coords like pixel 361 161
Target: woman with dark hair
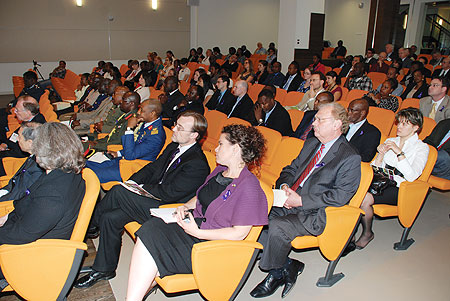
pixel 262 73
pixel 333 82
pixel 164 249
pixel 50 207
pixel 144 83
pixel 197 73
pixel 306 83
pixel 204 81
pixel 405 156
pixel 247 74
pixel 317 64
pixel 383 98
pixel 418 87
pixel 271 56
pixel 193 55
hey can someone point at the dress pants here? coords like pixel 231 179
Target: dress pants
pixel 106 171
pixel 119 207
pixel 284 226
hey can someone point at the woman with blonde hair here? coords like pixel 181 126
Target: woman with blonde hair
pixel 247 74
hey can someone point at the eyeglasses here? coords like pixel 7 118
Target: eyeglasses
pixel 436 85
pixel 180 128
pixel 318 119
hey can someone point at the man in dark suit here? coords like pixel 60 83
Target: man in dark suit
pixel 361 134
pixel 173 178
pixel 26 109
pixel 403 54
pixel 345 71
pixel 305 129
pixel 325 173
pixel 440 139
pixel 293 79
pixel 270 113
pixel 445 69
pixel 170 99
pixel 192 102
pixel 369 60
pixel 276 78
pixel 243 104
pixel 222 100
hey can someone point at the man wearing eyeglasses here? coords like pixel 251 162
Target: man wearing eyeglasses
pixel 325 173
pixel 172 178
pixel 437 104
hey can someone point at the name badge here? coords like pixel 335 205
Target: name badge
pixel 14 137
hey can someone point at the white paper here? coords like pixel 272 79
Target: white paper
pixel 14 137
pixel 133 187
pixel 279 197
pixel 98 157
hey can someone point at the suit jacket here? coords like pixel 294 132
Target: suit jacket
pixel 366 140
pixel 243 109
pixel 196 106
pixel 49 211
pixel 224 105
pixel 181 179
pixel 304 124
pixel 115 136
pixel 148 143
pixel 295 83
pixel 406 63
pixel 345 70
pixel 275 79
pixel 279 120
pixel 442 112
pixel 333 183
pixel 438 133
pixel 422 92
pixel 437 72
pixel 169 106
pixel 13 147
pixel 24 178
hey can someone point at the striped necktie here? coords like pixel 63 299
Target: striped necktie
pixel 308 169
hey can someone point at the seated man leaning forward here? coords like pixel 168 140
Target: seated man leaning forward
pixel 172 178
pixel 143 141
pixel 325 173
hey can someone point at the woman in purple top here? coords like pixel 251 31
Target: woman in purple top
pixel 226 206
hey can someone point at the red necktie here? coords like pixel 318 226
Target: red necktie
pixel 442 144
pixel 308 169
pixel 306 132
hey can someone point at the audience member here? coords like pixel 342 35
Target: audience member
pixel 361 134
pixel 370 59
pixel 380 65
pixel 31 88
pixel 417 88
pixel 196 76
pixel 306 83
pixel 243 105
pixel 222 100
pixel 260 49
pixel 185 72
pixel 317 64
pixel 347 69
pixel 392 73
pixel 412 52
pixel 107 124
pixel 60 71
pixel 293 79
pixel 247 73
pixel 308 194
pixel 143 139
pixel 204 81
pixel 172 178
pixel 403 54
pixel 305 129
pixel 405 155
pixel 271 56
pixel 340 50
pixel 207 60
pixel 408 78
pixel 333 85
pixel 82 86
pixel 390 53
pixel 317 82
pixel 214 72
pixel 170 99
pixel 193 101
pixel 437 105
pixel 444 71
pixel 357 79
pixel 261 75
pixel 144 86
pixel 383 98
pixel 439 138
pixel 192 56
pixel 164 249
pixel 436 58
pixel 231 64
pixel 276 78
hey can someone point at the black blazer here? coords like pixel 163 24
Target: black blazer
pixel 345 70
pixel 438 71
pixel 181 179
pixel 304 124
pixel 195 106
pixel 276 79
pixel 243 109
pixel 49 210
pixel 168 107
pixel 226 103
pixel 14 148
pixel 295 83
pixel 438 133
pixel 279 120
pixel 26 176
pixel 422 92
pixel 366 141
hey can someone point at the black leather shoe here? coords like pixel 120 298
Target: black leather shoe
pixel 92 278
pixel 93 232
pixel 267 287
pixel 290 275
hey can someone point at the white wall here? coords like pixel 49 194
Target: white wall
pixel 303 20
pixel 237 22
pixel 345 21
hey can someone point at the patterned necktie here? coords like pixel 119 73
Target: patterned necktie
pixel 433 111
pixel 308 169
pixel 219 101
pixel 307 130
pixel 169 164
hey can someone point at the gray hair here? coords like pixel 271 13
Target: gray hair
pixel 56 146
pixel 339 113
pixel 28 130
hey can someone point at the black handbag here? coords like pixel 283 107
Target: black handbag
pixel 382 179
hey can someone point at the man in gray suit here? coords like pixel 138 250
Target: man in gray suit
pixel 437 104
pixel 326 173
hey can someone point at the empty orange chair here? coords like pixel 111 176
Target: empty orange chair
pixel 235 120
pixel 410 102
pixel 215 120
pixel 273 139
pixel 355 94
pixel 344 94
pixel 184 87
pixel 293 98
pixel 296 117
pixel 254 90
pixel 381 118
pixel 280 95
pixel 377 78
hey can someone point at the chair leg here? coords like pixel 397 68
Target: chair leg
pixel 246 274
pixel 404 243
pixel 330 278
pixel 72 275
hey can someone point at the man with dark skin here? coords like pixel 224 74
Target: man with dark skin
pixel 193 101
pixel 270 113
pixel 357 79
pixel 292 79
pixel 362 135
pixel 276 78
pixel 105 126
pixel 347 69
pixel 170 99
pixel 392 73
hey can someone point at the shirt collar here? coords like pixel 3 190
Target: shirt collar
pixel 170 93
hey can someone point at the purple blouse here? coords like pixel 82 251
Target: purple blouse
pixel 242 203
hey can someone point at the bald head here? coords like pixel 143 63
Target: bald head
pixel 358 110
pixel 26 108
pixel 323 98
pixel 130 102
pixel 152 105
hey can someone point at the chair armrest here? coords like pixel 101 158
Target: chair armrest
pixel 102 135
pixel 341 221
pixel 47 263
pixel 411 196
pixel 6 207
pixel 129 167
pixel 218 266
pixel 115 147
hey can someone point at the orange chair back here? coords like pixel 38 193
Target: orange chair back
pixel 293 98
pixel 355 94
pixel 410 102
pixel 254 90
pixel 432 156
pixel 337 70
pixel 377 78
pixel 192 66
pixel 235 120
pixel 215 120
pixel 220 61
pixel 296 117
pixel 273 139
pixel 381 118
pixel 184 87
pixel 123 69
pixel 344 95
pixel 211 158
pixel 366 179
pixel 280 95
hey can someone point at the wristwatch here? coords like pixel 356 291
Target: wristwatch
pixel 400 154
